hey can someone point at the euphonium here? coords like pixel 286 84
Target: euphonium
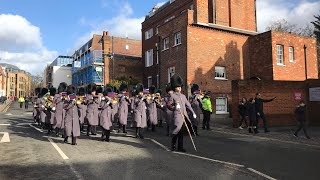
pixel 48 100
pixel 79 99
pixel 201 95
pixel 114 99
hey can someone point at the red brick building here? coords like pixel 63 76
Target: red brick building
pixel 214 42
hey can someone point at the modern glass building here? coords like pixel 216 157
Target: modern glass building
pixel 62 61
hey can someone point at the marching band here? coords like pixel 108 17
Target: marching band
pixel 66 110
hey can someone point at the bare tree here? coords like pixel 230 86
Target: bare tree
pixel 36 82
pixel 284 26
pixel 316 25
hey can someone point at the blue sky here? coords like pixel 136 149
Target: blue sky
pixel 34 32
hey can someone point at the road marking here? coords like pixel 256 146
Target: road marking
pixel 161 145
pixel 5 137
pixel 209 159
pixel 5 124
pixel 261 174
pixel 78 175
pixel 266 138
pixel 8 114
pixel 58 149
pixel 28 113
pixel 22 124
pixel 36 128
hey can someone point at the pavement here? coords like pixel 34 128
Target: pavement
pixel 31 154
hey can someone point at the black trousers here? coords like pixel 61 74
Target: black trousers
pixel 178 137
pixel 263 117
pixel 243 118
pixel 26 105
pixel 139 132
pixel 206 120
pixel 302 125
pixel 92 129
pixel 21 105
pixel 105 135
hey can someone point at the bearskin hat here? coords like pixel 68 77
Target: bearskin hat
pixel 37 91
pixel 194 87
pixel 62 87
pixel 91 88
pixel 53 91
pixel 81 91
pixel 176 81
pixel 152 89
pixel 168 88
pixel 71 89
pixel 159 91
pixel 123 87
pixel 134 91
pixel 43 91
pixel 107 90
pixel 99 89
pixel 139 87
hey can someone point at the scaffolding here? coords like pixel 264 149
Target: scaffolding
pixel 88 68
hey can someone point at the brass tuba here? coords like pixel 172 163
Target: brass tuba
pixel 79 99
pixel 48 100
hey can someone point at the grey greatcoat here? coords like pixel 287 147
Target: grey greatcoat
pixel 168 113
pixel 114 114
pixel 178 98
pixel 152 111
pixel 92 111
pixel 196 106
pixel 60 112
pixel 139 112
pixel 71 122
pixel 105 115
pixel 43 114
pixel 123 109
pixel 36 110
pixel 82 109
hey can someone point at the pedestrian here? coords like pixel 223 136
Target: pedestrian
pixel 168 112
pixel 92 109
pixel 179 104
pixel 26 102
pixel 139 111
pixel 123 108
pixel 82 108
pixel 252 114
pixel 207 111
pixel 196 104
pixel 152 108
pixel 259 110
pixel 21 101
pixel 243 111
pixel 105 115
pixel 300 113
pixel 72 126
pixel 59 115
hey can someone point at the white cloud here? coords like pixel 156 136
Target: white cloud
pixel 122 25
pixel 296 12
pixel 21 44
pixel 161 4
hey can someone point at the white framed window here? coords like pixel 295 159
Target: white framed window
pixel 220 72
pixel 149 58
pixel 221 105
pixel 171 72
pixel 127 46
pixel 279 49
pixel 291 54
pixel 166 43
pixel 148 34
pixel 177 38
pixel 149 81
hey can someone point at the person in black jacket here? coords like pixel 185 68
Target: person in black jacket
pixel 259 109
pixel 243 111
pixel 300 113
pixel 251 109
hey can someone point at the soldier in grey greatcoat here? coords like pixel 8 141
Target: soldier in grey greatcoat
pixel 36 106
pixel 196 104
pixel 92 109
pixel 58 100
pixel 82 108
pixel 50 111
pixel 133 96
pixel 71 122
pixel 160 108
pixel 179 104
pixel 152 108
pixel 168 112
pixel 115 105
pixel 123 107
pixel 139 111
pixel 43 114
pixel 105 114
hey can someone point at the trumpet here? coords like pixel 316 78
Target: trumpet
pixel 114 100
pixel 79 99
pixel 200 95
pixel 147 96
pixel 48 100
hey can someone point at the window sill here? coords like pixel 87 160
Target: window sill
pixel 177 45
pixel 283 65
pixel 148 66
pixel 221 112
pixel 164 50
pixel 291 61
pixel 222 79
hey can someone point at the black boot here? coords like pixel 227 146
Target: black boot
pixel 65 139
pixel 137 132
pixel 173 142
pixel 168 129
pixel 196 130
pixel 93 130
pixel 57 132
pixel 153 128
pixel 107 136
pixel 141 133
pixel 180 143
pixel 74 141
pixel 124 129
pixel 88 130
pixel 250 130
pixel 103 134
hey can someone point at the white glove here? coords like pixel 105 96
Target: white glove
pixel 162 105
pixel 103 98
pixel 78 102
pixel 178 106
pixel 54 108
pixel 194 116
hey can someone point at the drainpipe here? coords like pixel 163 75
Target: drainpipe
pixel 305 60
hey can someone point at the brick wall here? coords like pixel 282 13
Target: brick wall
pixel 279 112
pixel 125 66
pixel 243 14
